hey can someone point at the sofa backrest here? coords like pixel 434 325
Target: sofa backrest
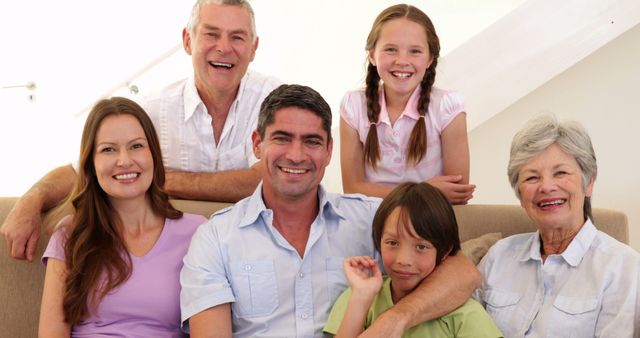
pixel 21 283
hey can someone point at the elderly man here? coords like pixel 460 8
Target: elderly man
pixel 274 259
pixel 204 123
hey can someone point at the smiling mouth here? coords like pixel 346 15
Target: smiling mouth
pixel 401 75
pixel 221 65
pixel 293 170
pixel 544 204
pixel 128 176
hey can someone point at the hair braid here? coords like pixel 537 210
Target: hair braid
pixel 371 147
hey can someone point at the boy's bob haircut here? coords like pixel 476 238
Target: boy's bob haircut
pixel 427 209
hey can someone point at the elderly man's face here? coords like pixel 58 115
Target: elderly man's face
pixel 295 152
pixel 221 48
pixel 551 192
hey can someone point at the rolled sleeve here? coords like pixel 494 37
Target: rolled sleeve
pixel 203 278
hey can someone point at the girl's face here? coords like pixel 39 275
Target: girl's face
pixel 401 55
pixel 407 257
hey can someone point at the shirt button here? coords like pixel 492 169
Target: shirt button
pixel 247 267
pixel 395 133
pixel 304 316
pixel 397 160
pixel 301 275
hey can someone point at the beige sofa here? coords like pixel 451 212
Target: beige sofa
pixel 21 282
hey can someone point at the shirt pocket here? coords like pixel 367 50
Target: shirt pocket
pixel 573 317
pixel 336 281
pixel 502 306
pixel 255 288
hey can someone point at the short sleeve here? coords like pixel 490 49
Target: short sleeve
pixel 203 278
pixel 449 105
pixel 352 108
pixel 55 248
pixel 337 313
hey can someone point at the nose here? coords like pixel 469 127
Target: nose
pixel 223 45
pixel 124 160
pixel 547 184
pixel 404 256
pixel 401 59
pixel 295 152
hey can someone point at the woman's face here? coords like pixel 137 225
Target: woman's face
pixel 122 158
pixel 551 192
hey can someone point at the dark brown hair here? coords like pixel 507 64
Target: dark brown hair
pixel 428 209
pixel 97 260
pixel 417 147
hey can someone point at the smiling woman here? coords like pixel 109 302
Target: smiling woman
pixel 568 278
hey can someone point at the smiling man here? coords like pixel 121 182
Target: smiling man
pixel 204 123
pixel 271 266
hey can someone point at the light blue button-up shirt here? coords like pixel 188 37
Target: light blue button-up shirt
pixel 589 290
pixel 239 257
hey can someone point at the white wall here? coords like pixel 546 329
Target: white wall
pixel 599 92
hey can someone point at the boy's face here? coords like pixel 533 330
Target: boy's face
pixel 407 258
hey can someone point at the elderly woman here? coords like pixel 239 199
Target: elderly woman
pixel 567 279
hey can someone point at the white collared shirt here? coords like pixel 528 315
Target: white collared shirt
pixel 589 290
pixel 238 257
pixel 184 125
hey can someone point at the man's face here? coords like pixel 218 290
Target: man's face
pixel 221 48
pixel 295 152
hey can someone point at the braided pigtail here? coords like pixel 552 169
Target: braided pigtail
pixel 371 146
pixel 417 147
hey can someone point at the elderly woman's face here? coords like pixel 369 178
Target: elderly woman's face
pixel 551 191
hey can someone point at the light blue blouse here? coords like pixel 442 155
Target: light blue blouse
pixel 590 290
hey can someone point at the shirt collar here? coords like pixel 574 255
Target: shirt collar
pixel 410 110
pixel 574 253
pixel 192 100
pixel 256 207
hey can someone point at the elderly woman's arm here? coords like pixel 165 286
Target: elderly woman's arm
pixel 444 290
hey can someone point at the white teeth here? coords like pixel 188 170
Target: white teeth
pixel 556 202
pixel 126 176
pixel 219 64
pixel 293 171
pixel 401 75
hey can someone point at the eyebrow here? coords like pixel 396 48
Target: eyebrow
pixel 304 136
pixel 217 29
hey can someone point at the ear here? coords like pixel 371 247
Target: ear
pixel 255 48
pixel 257 141
pixel 186 40
pixel 589 189
pixel 446 254
pixel 330 151
pixel 372 59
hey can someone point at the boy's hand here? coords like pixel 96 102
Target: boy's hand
pixel 363 275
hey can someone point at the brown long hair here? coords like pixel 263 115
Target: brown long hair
pixel 417 147
pixel 97 260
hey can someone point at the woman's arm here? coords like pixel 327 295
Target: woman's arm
pixel 455 158
pixel 214 322
pixel 52 322
pixel 352 165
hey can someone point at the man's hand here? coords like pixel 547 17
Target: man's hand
pixel 456 192
pixel 21 229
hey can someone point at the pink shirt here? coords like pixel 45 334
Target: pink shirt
pixel 444 106
pixel 148 303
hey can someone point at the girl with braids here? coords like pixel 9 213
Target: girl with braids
pixel 112 268
pixel 400 127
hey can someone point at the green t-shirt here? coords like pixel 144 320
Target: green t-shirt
pixel 469 320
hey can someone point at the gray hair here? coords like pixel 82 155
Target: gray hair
pixel 540 133
pixel 195 13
